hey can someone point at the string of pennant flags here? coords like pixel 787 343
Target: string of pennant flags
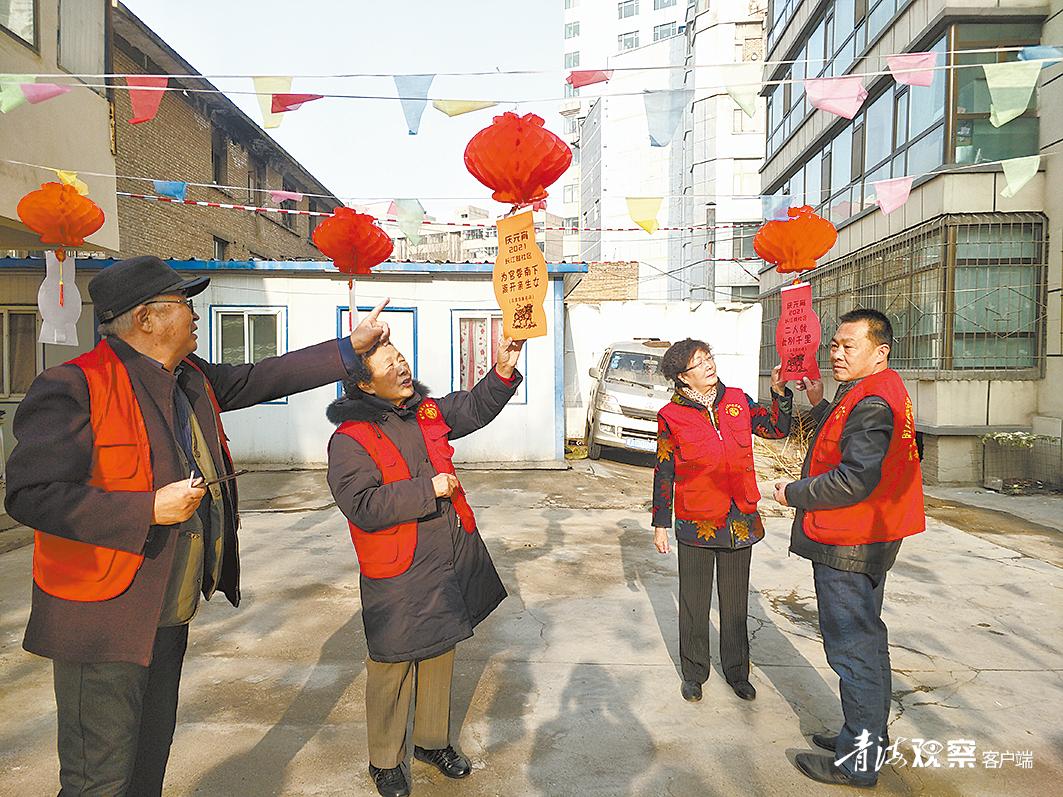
pixel 409 214
pixel 1048 50
pixel 1010 84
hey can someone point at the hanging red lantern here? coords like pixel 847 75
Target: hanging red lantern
pixel 795 244
pixel 60 215
pixel 353 241
pixel 517 158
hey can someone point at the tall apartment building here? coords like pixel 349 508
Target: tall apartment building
pixel 595 33
pixel 967 276
pixel 719 182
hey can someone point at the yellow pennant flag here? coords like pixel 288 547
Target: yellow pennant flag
pixel 643 211
pixel 458 107
pixel 265 88
pixel 71 178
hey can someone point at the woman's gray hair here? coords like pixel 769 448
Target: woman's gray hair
pixel 118 326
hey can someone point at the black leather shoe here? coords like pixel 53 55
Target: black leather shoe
pixel 691 691
pixel 446 759
pixel 824 742
pixel 831 742
pixel 822 770
pixel 745 690
pixel 390 782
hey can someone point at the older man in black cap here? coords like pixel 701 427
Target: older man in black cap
pixel 121 466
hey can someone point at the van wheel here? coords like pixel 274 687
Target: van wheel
pixel 594 451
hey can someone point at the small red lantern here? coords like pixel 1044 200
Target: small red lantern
pixel 60 215
pixel 353 241
pixel 796 244
pixel 517 158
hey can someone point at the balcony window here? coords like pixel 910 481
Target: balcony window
pixel 571 30
pixel 571 60
pixel 627 8
pixel 659 4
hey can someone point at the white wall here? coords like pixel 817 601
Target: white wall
pixel 733 332
pixel 296 431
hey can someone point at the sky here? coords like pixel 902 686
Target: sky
pixel 361 148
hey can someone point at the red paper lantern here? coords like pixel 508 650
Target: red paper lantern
pixel 517 158
pixel 60 215
pixel 353 241
pixel 795 245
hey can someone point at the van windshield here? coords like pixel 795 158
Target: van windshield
pixel 637 368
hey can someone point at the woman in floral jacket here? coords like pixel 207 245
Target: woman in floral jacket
pixel 705 460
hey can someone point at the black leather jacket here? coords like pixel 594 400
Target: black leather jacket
pixel 864 443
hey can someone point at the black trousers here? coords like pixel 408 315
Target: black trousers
pixel 695 597
pixel 116 721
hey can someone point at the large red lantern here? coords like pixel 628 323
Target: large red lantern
pixel 353 241
pixel 796 244
pixel 60 215
pixel 517 158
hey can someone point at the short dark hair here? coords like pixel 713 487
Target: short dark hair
pixel 678 357
pixel 879 328
pixel 359 372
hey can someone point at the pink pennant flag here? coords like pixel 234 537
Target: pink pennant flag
pixel 145 102
pixel 281 196
pixel 393 209
pixel 892 194
pixel 291 102
pixel 913 69
pixel 39 92
pixel 588 77
pixel 841 96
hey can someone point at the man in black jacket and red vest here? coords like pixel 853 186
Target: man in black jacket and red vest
pixel 860 493
pixel 427 579
pixel 115 467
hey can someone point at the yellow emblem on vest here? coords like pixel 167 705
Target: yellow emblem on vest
pixel 733 410
pixel 431 413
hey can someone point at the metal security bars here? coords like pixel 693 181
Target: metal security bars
pixel 965 295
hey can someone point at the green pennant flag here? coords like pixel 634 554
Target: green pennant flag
pixel 11 94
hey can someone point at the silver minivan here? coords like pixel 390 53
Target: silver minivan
pixel 629 390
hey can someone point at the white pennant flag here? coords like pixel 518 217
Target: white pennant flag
pixel 1018 172
pixel 743 82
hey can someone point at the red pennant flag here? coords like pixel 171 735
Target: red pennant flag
pixel 145 103
pixel 587 77
pixel 291 102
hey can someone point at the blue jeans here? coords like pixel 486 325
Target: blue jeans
pixel 856 643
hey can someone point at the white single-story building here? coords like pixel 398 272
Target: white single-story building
pixel 443 317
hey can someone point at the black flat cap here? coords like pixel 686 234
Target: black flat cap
pixel 127 283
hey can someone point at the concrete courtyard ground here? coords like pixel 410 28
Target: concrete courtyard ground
pixel 572 687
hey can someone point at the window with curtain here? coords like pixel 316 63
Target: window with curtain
pixel 247 335
pixel 82 36
pixel 19 362
pixel 478 348
pixel 19 18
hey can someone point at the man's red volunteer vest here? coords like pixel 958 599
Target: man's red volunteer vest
pixel 895 507
pixel 713 467
pixel 389 552
pixel 121 462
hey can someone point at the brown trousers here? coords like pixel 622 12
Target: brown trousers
pixel 389 690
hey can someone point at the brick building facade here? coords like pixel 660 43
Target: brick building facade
pixel 202 138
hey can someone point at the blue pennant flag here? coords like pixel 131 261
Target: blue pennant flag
pixel 171 188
